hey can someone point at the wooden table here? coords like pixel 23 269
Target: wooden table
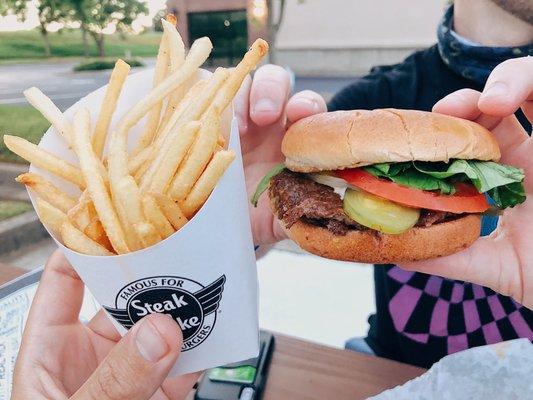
pixel 304 370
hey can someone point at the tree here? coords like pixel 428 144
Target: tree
pixel 48 11
pixel 102 13
pixel 156 21
pixel 81 14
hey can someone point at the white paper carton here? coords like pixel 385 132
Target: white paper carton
pixel 500 371
pixel 204 275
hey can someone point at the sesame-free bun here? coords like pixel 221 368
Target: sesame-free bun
pixel 349 139
pixel 369 246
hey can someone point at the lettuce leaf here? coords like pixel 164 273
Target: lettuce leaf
pixel 485 175
pixel 412 178
pixel 508 195
pixel 503 183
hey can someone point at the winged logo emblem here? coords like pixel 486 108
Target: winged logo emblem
pixel 190 304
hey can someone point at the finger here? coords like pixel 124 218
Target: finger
pixel 481 264
pixel 304 104
pixel 509 85
pixel 102 325
pixel 268 95
pixel 510 136
pixel 59 297
pixel 464 104
pixel 137 366
pixel 241 105
pixel 461 103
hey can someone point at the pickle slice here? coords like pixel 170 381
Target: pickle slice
pixel 378 213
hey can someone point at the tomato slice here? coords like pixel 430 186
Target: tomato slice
pixel 466 199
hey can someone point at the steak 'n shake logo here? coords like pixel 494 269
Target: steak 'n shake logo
pixel 192 305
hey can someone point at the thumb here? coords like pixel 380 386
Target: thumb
pixel 137 366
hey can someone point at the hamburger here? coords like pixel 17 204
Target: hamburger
pixel 388 186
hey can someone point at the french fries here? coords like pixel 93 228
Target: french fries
pixel 143 157
pixel 207 181
pixel 194 108
pixel 192 94
pixel 176 58
pixel 140 164
pixel 83 212
pixel 109 104
pixel 156 216
pixel 148 234
pixel 52 217
pixel 118 154
pixel 47 191
pixel 141 171
pixel 45 160
pixel 133 200
pixel 96 232
pixel 169 161
pixel 78 241
pixel 161 68
pixel 176 47
pixel 233 83
pixel 95 183
pixel 128 196
pixel 198 157
pixel 49 110
pixel 171 210
pixel 118 150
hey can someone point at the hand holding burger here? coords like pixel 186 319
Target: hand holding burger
pixel 500 261
pixel 263 111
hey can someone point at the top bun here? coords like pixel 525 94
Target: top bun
pixel 350 139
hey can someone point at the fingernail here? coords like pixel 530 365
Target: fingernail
pixel 150 343
pixel 312 104
pixel 265 105
pixel 497 89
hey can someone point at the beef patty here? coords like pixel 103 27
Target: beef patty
pixel 296 197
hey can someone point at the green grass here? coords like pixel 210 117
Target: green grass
pixel 104 64
pixel 10 209
pixel 29 45
pixel 20 121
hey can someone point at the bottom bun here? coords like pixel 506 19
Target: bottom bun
pixel 370 246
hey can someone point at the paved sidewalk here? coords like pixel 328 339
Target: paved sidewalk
pixel 30 256
pixel 9 189
pixel 56 79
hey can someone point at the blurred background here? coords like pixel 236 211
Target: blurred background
pixel 67 47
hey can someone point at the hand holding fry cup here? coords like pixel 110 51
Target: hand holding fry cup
pixel 146 224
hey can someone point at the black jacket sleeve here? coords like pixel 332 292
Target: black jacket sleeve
pixel 385 86
pixel 368 92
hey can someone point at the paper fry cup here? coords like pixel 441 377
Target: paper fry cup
pixel 204 275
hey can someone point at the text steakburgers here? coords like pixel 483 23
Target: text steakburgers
pixel 388 185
